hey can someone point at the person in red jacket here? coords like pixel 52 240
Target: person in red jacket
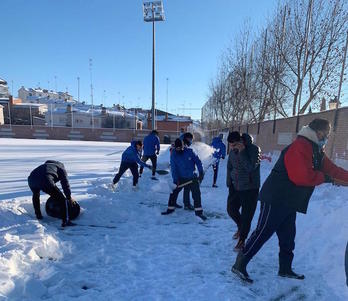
pixel 301 166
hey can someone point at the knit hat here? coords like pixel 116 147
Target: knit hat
pixel 233 137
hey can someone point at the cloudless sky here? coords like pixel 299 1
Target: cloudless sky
pixel 41 39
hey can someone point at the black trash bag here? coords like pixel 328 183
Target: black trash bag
pixel 54 208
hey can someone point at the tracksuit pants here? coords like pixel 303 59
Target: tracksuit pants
pixel 196 195
pixel 51 190
pixel 274 219
pixel 133 166
pixel 216 170
pixel 153 159
pixel 247 201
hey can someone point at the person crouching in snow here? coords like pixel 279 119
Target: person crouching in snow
pixel 183 161
pixel 45 177
pixel 301 166
pixel 130 159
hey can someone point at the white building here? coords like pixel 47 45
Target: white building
pixel 2 120
pixel 4 89
pixel 73 117
pixel 44 96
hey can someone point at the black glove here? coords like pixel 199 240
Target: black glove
pixel 201 177
pixel 328 179
pixel 157 153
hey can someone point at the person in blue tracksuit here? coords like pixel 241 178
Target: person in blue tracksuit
pixel 151 150
pixel 220 153
pixel 183 162
pixel 130 159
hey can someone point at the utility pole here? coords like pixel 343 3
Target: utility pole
pixel 78 89
pixel 90 72
pixel 167 97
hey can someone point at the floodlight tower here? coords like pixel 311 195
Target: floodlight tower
pixel 153 11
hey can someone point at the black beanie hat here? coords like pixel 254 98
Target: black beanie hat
pixel 233 137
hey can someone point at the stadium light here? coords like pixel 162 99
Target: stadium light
pixel 153 11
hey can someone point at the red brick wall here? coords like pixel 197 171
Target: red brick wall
pixel 67 133
pixel 285 128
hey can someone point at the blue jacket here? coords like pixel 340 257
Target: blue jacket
pixel 220 148
pixel 182 164
pixel 151 145
pixel 131 155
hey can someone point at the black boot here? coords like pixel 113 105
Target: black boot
pixel 239 268
pixel 169 211
pixel 285 269
pixel 201 215
pixel 178 206
pixel 189 207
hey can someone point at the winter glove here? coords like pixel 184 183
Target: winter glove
pixel 157 153
pixel 149 166
pixel 201 177
pixel 328 179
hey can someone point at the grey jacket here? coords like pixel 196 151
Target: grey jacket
pixel 243 168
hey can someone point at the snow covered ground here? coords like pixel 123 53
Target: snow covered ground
pixel 149 256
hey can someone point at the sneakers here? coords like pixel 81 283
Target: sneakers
pixel 169 211
pixel 236 235
pixel 291 274
pixel 154 178
pixel 67 223
pixel 201 215
pixel 239 246
pixel 215 186
pixel 112 186
pixel 189 207
pixel 135 188
pixel 177 206
pixel 239 268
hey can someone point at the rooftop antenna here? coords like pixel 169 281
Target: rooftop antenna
pixel 90 72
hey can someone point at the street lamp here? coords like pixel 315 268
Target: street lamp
pixel 153 11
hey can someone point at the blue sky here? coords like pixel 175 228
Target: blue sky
pixel 42 39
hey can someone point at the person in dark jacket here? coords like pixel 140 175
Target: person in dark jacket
pixel 130 159
pixel 219 153
pixel 183 162
pixel 44 178
pixel 243 181
pixel 346 264
pixel 301 166
pixel 151 150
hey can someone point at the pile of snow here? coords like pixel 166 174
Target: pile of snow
pixel 149 256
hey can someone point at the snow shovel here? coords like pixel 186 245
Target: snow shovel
pixel 173 186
